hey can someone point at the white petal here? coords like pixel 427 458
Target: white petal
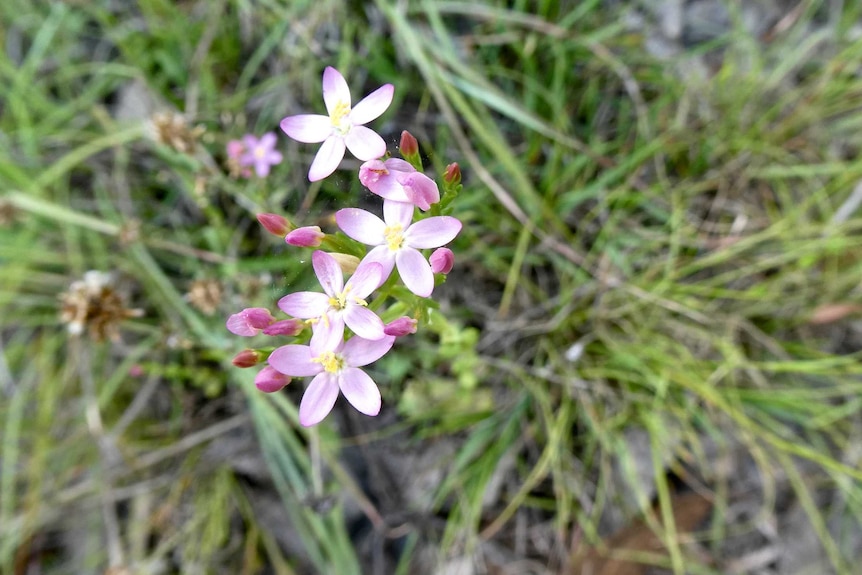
pixel 364 143
pixel 327 159
pixel 372 105
pixel 307 128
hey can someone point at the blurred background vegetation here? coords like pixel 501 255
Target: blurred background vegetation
pixel 647 359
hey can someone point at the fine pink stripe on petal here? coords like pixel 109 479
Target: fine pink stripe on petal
pixel 307 128
pixel 385 257
pixel 335 89
pixel 397 213
pixel 363 322
pixel 415 271
pixel 360 225
pixel 327 159
pixel 360 390
pixel 365 279
pixel 328 273
pixel 304 304
pixel 432 232
pixel 372 105
pixel 364 143
pixel 359 351
pixel 318 399
pixel 294 360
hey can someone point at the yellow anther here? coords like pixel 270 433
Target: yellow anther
pixel 338 115
pixel 330 361
pixel 393 236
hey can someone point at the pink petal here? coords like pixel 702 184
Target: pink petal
pixel 327 159
pixel 360 390
pixel 398 213
pixel 307 128
pixel 295 360
pixel 415 271
pixel 363 322
pixel 274 157
pixel 383 256
pixel 328 273
pixel 268 380
pixel 237 325
pixel 318 399
pixel 328 334
pixel 250 142
pixel 372 105
pixel 432 232
pixel 267 141
pixel 261 168
pixel 304 304
pixel 358 351
pixel 421 190
pixel 442 261
pixel 365 279
pixel 399 166
pixel 335 89
pixel 364 143
pixel 360 225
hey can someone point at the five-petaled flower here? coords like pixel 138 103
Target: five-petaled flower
pixel 335 366
pixel 397 180
pixel 398 242
pixel 341 304
pixel 260 153
pixel 343 127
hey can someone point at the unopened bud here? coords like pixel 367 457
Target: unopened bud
pixel 268 380
pixel 249 321
pixel 285 327
pixel 346 262
pixel 275 224
pixel 246 358
pixel 442 261
pixel 452 175
pixel 400 327
pixel 307 237
pixel 409 146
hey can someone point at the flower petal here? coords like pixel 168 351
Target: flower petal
pixel 364 280
pixel 360 225
pixel 383 256
pixel 415 271
pixel 295 360
pixel 307 128
pixel 359 351
pixel 327 159
pixel 372 106
pixel 364 322
pixel 267 141
pixel 335 89
pixel 304 304
pixel 432 232
pixel 398 213
pixel 364 143
pixel 328 273
pixel 318 399
pixel 360 390
pixel 327 334
pixel 421 190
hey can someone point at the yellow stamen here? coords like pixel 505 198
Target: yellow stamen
pixel 394 237
pixel 339 115
pixel 330 361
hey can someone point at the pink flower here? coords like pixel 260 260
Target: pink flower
pixel 335 366
pixel 343 127
pixel 268 380
pixel 307 237
pixel 249 321
pixel 341 304
pixel 260 153
pixel 442 261
pixel 398 181
pixel 400 327
pixel 397 241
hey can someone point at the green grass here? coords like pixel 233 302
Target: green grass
pixel 681 229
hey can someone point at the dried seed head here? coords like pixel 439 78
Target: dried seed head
pixel 173 130
pixel 93 305
pixel 205 295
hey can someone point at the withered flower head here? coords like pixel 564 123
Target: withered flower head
pixel 92 304
pixel 205 295
pixel 173 130
pixel 8 212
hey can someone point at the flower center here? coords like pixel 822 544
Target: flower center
pixel 259 153
pixel 339 302
pixel 331 362
pixel 394 237
pixel 339 117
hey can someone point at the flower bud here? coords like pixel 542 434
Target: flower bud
pixel 346 262
pixel 285 327
pixel 452 175
pixel 268 380
pixel 442 261
pixel 409 146
pixel 235 149
pixel 400 327
pixel 249 321
pixel 307 237
pixel 275 224
pixel 246 358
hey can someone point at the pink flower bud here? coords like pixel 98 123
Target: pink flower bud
pixel 442 261
pixel 235 149
pixel 268 380
pixel 285 327
pixel 249 321
pixel 246 358
pixel 307 237
pixel 452 175
pixel 409 146
pixel 275 224
pixel 400 327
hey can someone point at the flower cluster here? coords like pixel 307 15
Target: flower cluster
pixel 350 323
pixel 251 152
